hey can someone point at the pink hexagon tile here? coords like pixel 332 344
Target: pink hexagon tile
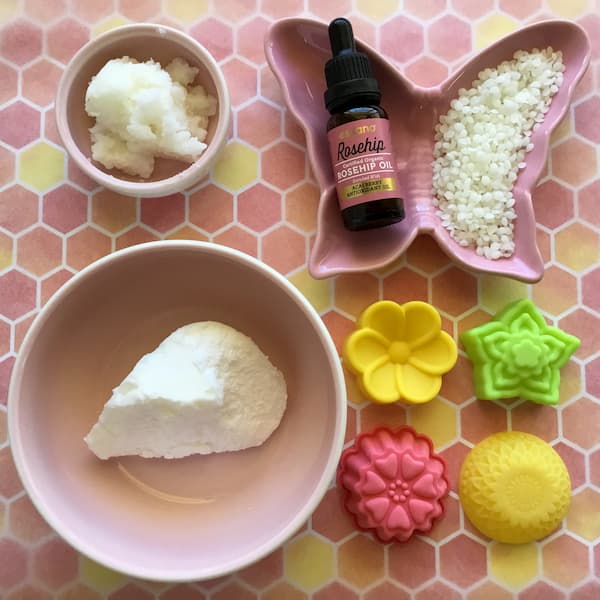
pixel 86 246
pixel 39 251
pixel 521 9
pixel 65 38
pixel 259 207
pixel 449 38
pixel 17 294
pixel 412 563
pixel 472 9
pixel 45 10
pixel 13 563
pixel 55 563
pixel 29 592
pixel 259 124
pixel 329 10
pixel 7 166
pixel 284 249
pixel 6 367
pixel 8 82
pixel 18 208
pixel 215 35
pixel 40 81
pixel 91 12
pixel 283 165
pixel 402 39
pixel 65 208
pixel 426 71
pixel 132 237
pixel 591 23
pixel 19 124
pixel 463 561
pixel 25 523
pixel 163 214
pixel 241 79
pixel 20 41
pixel 250 37
pixel 238 238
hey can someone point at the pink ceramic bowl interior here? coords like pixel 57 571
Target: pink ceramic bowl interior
pixel 142 42
pixel 181 519
pixel 297 49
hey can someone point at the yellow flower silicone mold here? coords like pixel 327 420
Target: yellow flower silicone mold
pixel 399 352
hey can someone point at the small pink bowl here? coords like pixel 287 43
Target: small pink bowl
pixel 297 49
pixel 182 519
pixel 142 42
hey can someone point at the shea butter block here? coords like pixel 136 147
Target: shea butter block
pixel 206 388
pixel 143 111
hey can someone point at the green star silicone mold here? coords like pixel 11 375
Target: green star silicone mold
pixel 517 354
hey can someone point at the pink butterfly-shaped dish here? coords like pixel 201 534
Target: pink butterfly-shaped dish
pixel 297 49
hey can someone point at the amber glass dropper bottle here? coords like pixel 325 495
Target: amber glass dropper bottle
pixel 360 145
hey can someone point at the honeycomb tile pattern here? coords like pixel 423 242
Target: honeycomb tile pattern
pixel 262 199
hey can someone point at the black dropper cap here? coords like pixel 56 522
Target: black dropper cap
pixel 348 73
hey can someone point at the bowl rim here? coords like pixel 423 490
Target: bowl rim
pixel 161 187
pixel 86 547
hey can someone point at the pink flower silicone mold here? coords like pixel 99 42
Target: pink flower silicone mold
pixel 394 483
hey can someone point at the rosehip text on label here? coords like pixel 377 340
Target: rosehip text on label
pixel 345 151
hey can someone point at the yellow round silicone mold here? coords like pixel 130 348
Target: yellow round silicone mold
pixel 514 487
pixel 399 352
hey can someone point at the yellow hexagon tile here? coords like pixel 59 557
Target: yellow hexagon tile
pixel 309 562
pixel 237 167
pixel 497 292
pixel 435 419
pixel 41 166
pixel 493 28
pixel 513 565
pixel 382 9
pixel 354 292
pixel 98 577
pixel 317 291
pixel 113 212
pixel 577 247
pixel 568 8
pixel 8 9
pixel 186 10
pixel 187 233
pixel 583 517
pixel 108 24
pixel 353 391
pixel 361 561
pixel 556 292
pixel 6 251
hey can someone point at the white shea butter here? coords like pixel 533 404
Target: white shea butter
pixel 206 388
pixel 143 111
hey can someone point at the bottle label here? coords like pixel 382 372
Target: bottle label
pixel 363 162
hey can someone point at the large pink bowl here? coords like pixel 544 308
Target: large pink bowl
pixel 191 518
pixel 297 49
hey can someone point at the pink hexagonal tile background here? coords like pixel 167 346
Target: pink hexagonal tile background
pixel 46 237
